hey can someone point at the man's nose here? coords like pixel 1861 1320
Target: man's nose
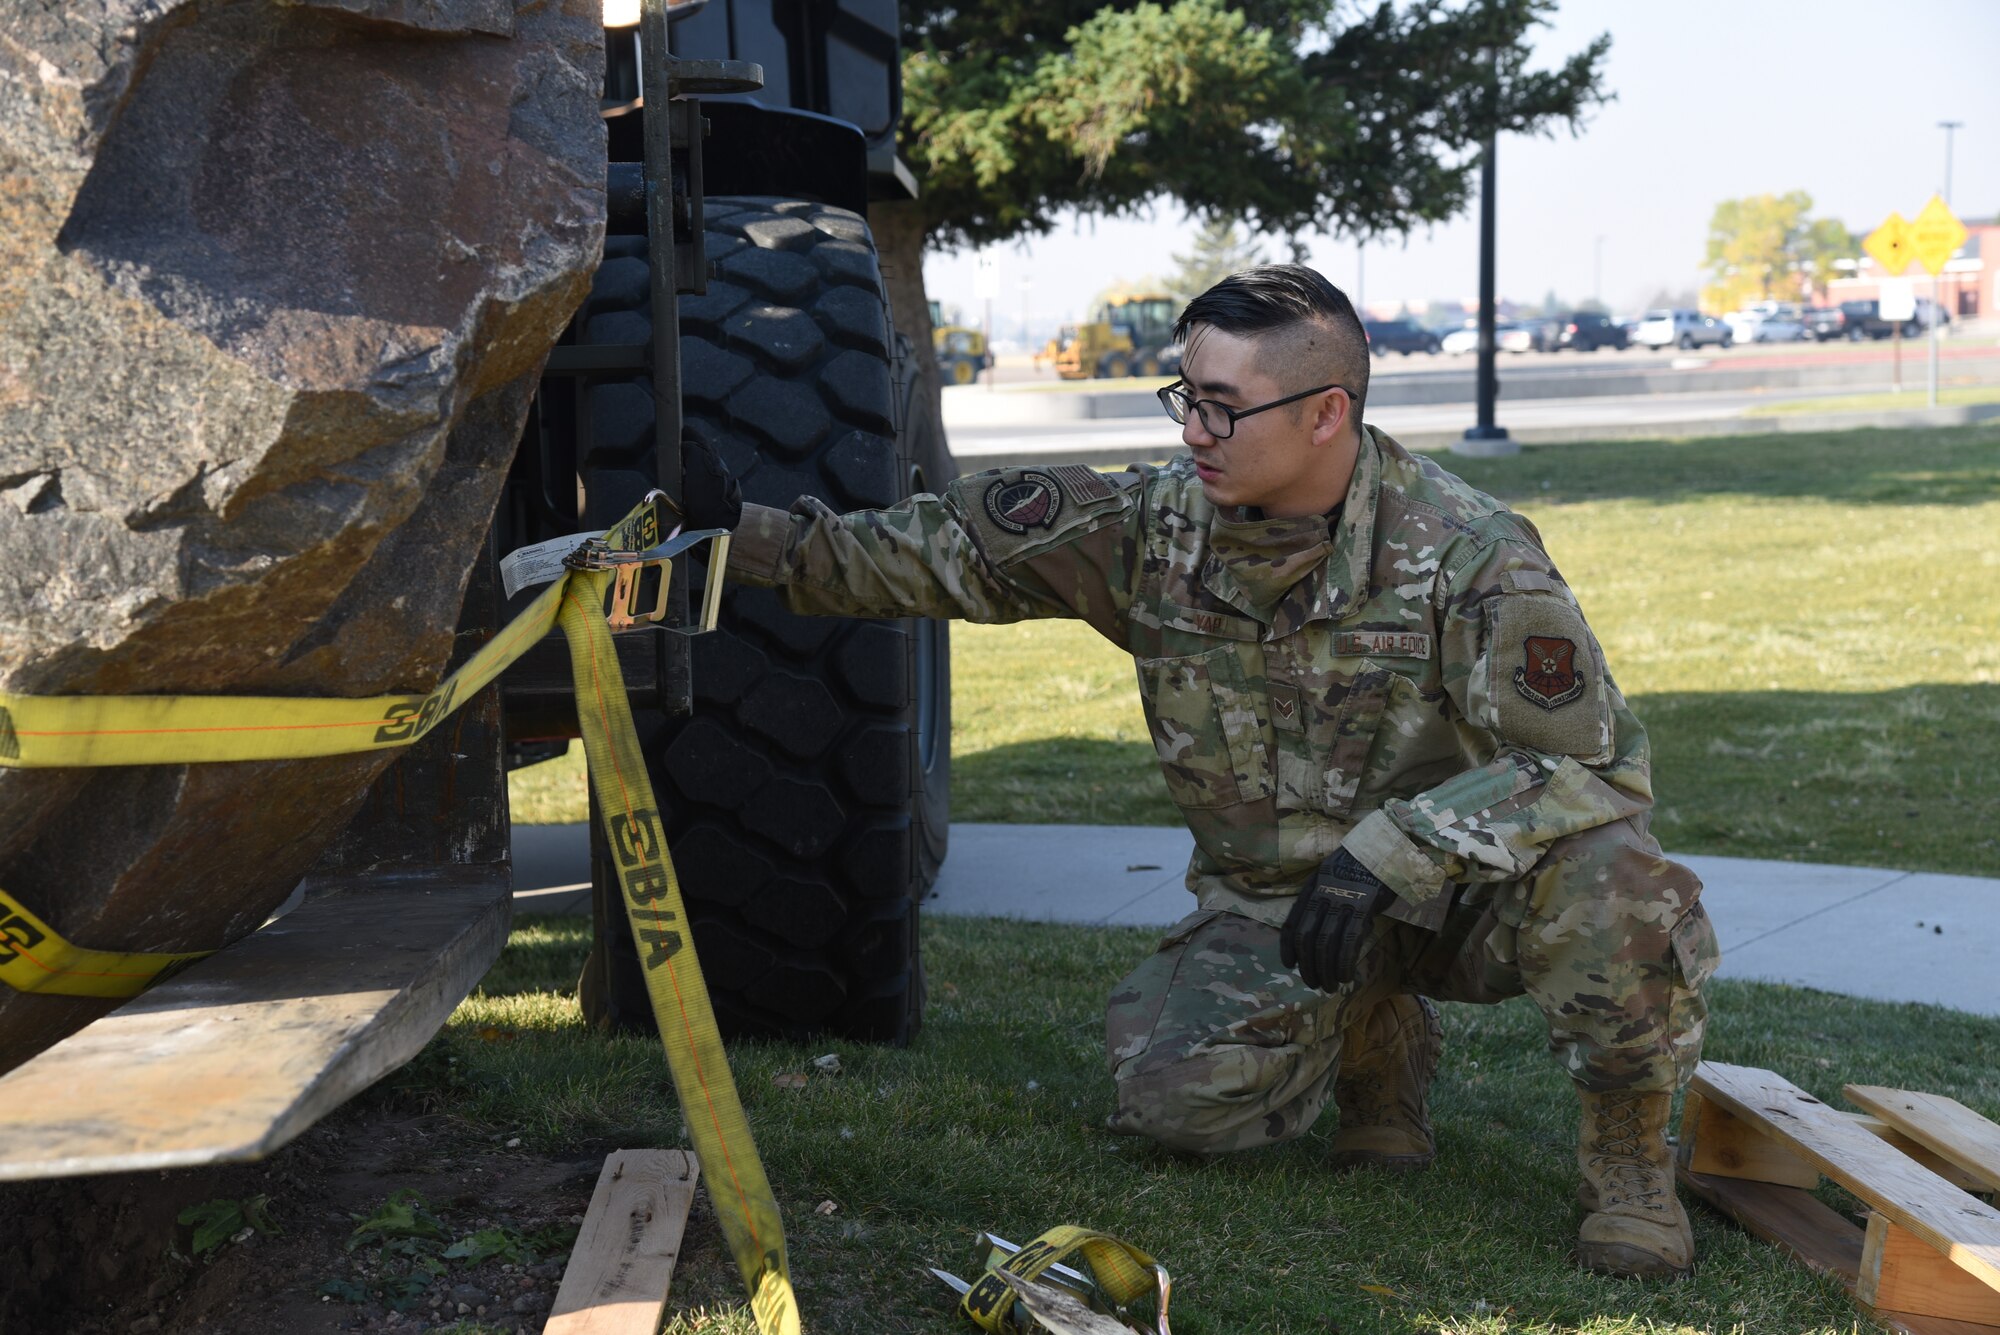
pixel 1194 435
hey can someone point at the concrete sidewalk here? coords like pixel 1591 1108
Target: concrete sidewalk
pixel 1864 931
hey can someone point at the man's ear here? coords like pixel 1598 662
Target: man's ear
pixel 1331 412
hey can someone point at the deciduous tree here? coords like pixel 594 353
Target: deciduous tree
pixel 1765 247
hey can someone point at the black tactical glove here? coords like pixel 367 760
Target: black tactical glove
pixel 1330 921
pixel 710 497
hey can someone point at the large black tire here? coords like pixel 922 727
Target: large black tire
pixel 798 800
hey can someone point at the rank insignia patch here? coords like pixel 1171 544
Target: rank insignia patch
pixel 1029 499
pixel 1549 677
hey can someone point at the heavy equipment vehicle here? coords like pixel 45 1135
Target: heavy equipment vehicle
pixel 801 762
pixel 961 353
pixel 1126 335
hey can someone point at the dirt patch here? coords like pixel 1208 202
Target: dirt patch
pixel 107 1255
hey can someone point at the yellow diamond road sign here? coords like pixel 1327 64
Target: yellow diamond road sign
pixel 1934 234
pixel 1889 244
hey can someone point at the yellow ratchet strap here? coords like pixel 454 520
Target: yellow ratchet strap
pixel 64 731
pixel 33 958
pixel 631 820
pixel 1122 1273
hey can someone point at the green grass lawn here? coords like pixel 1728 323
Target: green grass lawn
pixel 992 1120
pixel 1807 624
pixel 1914 396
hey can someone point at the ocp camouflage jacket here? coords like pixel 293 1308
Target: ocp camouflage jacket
pixel 1417 684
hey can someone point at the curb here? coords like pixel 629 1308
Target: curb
pixel 979 406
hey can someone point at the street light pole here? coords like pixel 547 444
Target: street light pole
pixel 1937 310
pixel 1949 128
pixel 1597 270
pixel 1486 440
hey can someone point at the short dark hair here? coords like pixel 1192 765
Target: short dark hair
pixel 1290 298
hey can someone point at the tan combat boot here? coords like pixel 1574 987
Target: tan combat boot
pixel 1636 1226
pixel 1388 1056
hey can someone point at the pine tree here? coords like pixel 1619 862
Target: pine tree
pixel 1220 249
pixel 1287 115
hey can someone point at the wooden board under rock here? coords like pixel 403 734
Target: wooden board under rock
pixel 623 1262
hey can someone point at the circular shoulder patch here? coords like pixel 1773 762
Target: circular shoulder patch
pixel 1027 499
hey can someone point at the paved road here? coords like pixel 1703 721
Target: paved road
pixel 1109 442
pixel 1865 931
pixel 1018 369
pixel 993 443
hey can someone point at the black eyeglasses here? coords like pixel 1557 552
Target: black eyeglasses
pixel 1219 419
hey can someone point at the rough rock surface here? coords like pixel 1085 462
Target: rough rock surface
pixel 277 278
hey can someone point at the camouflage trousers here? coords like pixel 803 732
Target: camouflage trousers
pixel 1214 1045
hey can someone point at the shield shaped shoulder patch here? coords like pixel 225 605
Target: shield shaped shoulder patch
pixel 1546 685
pixel 1548 675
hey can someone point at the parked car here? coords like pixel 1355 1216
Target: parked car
pixel 1585 331
pixel 1404 336
pixel 1543 334
pixel 1507 337
pixel 1460 341
pixel 1761 324
pixel 1780 328
pixel 1743 325
pixel 1863 319
pixel 1683 329
pixel 1825 322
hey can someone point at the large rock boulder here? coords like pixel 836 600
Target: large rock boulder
pixel 277 278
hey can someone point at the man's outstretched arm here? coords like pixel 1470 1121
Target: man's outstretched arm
pixel 998 546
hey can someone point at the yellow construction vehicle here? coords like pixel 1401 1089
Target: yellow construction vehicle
pixel 1126 335
pixel 961 350
pixel 961 353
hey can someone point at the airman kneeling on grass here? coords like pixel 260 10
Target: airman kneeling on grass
pixel 1376 702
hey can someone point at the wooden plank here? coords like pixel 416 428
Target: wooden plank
pixel 1890 1135
pixel 1791 1219
pixel 244 1050
pixel 1962 1228
pixel 1942 1125
pixel 1903 1273
pixel 1813 1233
pixel 1717 1143
pixel 623 1261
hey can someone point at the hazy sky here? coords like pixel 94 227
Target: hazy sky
pixel 1714 100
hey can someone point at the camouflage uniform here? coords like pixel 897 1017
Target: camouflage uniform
pixel 1417 685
